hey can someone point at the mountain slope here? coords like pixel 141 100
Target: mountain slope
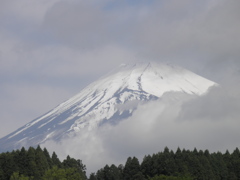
pixel 101 102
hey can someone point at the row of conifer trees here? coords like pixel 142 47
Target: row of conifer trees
pixel 179 165
pixel 36 163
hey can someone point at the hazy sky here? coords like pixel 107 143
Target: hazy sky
pixel 51 49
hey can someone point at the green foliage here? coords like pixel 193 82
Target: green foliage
pixel 74 174
pixel 17 176
pixel 55 174
pixel 62 174
pixel 55 160
pixel 108 173
pixel 37 164
pixel 92 176
pixel 49 160
pixel 181 165
pixel 163 177
pixel 132 170
pixel 41 161
pixel 32 169
pixel 71 163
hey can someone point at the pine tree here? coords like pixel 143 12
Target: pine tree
pixel 74 174
pixel 234 165
pixel 109 173
pixel 10 165
pixel 49 160
pixel 54 173
pixel 92 176
pixel 55 160
pixel 132 170
pixel 22 161
pixel 41 161
pixel 32 169
pixel 181 165
pixel 73 163
pixel 147 166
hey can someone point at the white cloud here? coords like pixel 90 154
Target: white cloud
pixel 177 120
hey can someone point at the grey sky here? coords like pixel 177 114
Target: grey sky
pixel 50 50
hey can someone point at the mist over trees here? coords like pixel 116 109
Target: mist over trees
pixel 37 164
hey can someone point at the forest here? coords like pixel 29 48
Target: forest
pixel 37 164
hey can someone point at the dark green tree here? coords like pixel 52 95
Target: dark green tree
pixel 163 177
pixel 55 160
pixel 49 160
pixel 181 165
pixel 73 163
pixel 41 161
pixel 132 170
pixel 147 166
pixel 8 166
pixel 32 169
pixel 92 176
pixel 112 173
pixel 17 176
pixel 74 174
pixel 235 161
pixel 21 161
pixel 54 173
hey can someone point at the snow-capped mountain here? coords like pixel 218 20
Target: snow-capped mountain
pixel 101 102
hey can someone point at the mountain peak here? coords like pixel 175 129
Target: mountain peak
pixel 158 78
pixel 99 102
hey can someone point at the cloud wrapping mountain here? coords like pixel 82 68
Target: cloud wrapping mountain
pixel 124 113
pixel 51 49
pixel 185 122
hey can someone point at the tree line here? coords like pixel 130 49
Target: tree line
pixel 179 165
pixel 37 164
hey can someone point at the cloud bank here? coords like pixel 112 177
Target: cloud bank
pixel 176 120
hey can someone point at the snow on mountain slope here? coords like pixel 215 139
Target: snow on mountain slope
pixel 99 102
